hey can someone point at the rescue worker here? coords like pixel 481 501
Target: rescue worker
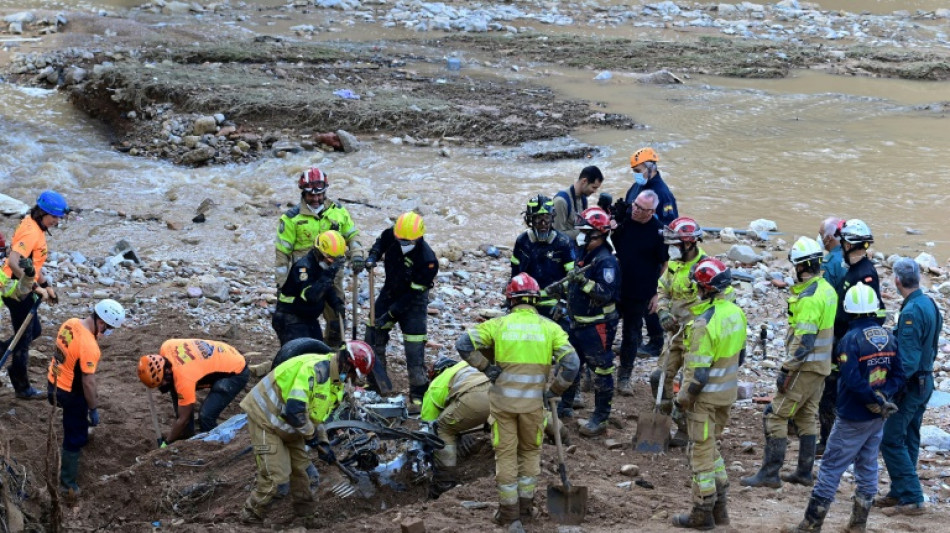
pixel 457 401
pixel 871 374
pixel 715 346
pixel 855 238
pixel 544 253
pixel 646 177
pixel 411 267
pixel 72 383
pixel 917 332
pixel 309 290
pixel 833 267
pixel 592 297
pixel 285 413
pixel 676 297
pixel 523 344
pixel 16 280
pixel 811 318
pixel 571 202
pixel 183 366
pixel 299 228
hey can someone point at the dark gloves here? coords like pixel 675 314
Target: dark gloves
pixel 884 407
pixel 667 322
pixel 781 381
pixel 324 451
pixel 555 290
pixel 370 262
pixel 549 395
pixel 94 417
pixel 386 321
pixel 493 371
pixel 358 264
pixel 26 265
pixel 576 276
pixel 620 209
pixel 340 309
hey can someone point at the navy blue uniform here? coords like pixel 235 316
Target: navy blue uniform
pixel 546 261
pixel 302 298
pixel 868 362
pixel 666 210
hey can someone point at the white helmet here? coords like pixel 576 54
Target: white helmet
pixel 805 250
pixel 861 300
pixel 111 312
pixel 855 231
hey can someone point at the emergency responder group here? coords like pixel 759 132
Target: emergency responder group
pixel 569 291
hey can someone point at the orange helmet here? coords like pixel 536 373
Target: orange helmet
pixel 409 226
pixel 331 244
pixel 642 156
pixel 152 370
pixel 361 356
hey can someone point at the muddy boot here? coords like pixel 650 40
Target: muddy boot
pixel 506 514
pixel 814 517
pixel 624 387
pixel 858 521
pixel 655 382
pixel 418 378
pixel 720 514
pixel 68 472
pixel 304 509
pixel 806 462
pixel 443 479
pixel 527 511
pixel 767 476
pixel 701 517
pixel 314 475
pixel 379 378
pixel 681 437
pixel 251 516
pixel 594 427
pixel 603 397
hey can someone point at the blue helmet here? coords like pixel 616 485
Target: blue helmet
pixel 53 203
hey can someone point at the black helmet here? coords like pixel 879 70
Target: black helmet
pixel 538 205
pixel 441 365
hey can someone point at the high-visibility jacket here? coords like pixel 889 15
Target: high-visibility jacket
pixel 677 294
pixel 313 379
pixel 595 300
pixel 713 340
pixel 450 384
pixel 811 326
pixel 299 228
pixel 524 343
pixel 197 363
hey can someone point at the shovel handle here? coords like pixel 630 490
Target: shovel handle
pixel 154 413
pixel 22 330
pixel 372 297
pixel 562 470
pixel 355 295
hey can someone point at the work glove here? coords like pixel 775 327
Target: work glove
pixel 685 400
pixel 619 210
pixel 493 371
pixel 555 290
pixel 781 381
pixel 358 264
pixel 370 262
pixel 51 295
pixel 549 395
pixel 161 442
pixel 386 321
pixel 94 417
pixel 26 265
pixel 325 452
pixel 667 322
pixel 576 276
pixel 339 309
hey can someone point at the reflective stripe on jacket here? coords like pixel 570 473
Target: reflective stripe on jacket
pixel 811 311
pixel 677 294
pixel 450 384
pixel 713 340
pixel 299 228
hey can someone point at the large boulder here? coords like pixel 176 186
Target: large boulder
pixel 12 207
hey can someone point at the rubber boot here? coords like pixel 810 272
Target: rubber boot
pixel 814 517
pixel 443 479
pixel 655 382
pixel 415 366
pixel 565 409
pixel 858 522
pixel 767 476
pixel 681 437
pixel 507 514
pixel 68 472
pixel 719 511
pixel 700 517
pixel 624 387
pixel 603 397
pixel 806 462
pixel 526 510
pixel 379 378
pixel 251 516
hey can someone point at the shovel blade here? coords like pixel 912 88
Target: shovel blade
pixel 653 433
pixel 567 505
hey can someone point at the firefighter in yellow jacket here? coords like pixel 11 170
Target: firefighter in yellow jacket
pixel 523 343
pixel 285 413
pixel 715 346
pixel 456 401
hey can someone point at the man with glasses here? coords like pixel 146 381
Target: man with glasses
pixel 299 228
pixel 646 177
pixel 643 255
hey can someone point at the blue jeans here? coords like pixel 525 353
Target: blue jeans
pixel 851 441
pixel 901 444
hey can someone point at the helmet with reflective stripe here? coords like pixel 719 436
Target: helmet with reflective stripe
pixel 409 226
pixel 52 203
pixel 538 205
pixel 331 244
pixel 642 156
pixel 855 231
pixel 522 285
pixel 711 274
pixel 111 312
pixel 441 365
pixel 151 370
pixel 596 218
pixel 361 357
pixel 313 180
pixel 683 229
pixel 805 250
pixel 861 300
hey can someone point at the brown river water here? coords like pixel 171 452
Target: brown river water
pixel 792 150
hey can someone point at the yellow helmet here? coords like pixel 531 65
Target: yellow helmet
pixel 331 244
pixel 643 155
pixel 409 226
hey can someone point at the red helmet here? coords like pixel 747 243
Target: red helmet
pixel 361 356
pixel 313 181
pixel 711 274
pixel 683 229
pixel 522 285
pixel 597 219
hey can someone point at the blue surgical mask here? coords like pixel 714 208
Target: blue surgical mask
pixel 107 332
pixel 639 178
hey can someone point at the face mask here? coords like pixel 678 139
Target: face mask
pixel 325 265
pixel 639 178
pixel 407 248
pixel 107 332
pixel 581 239
pixel 542 235
pixel 675 253
pixel 316 210
pixel 342 377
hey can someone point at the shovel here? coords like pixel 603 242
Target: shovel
pixel 11 344
pixel 567 504
pixel 364 485
pixel 653 429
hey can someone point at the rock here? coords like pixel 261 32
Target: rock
pixel 933 436
pixel 15 28
pixel 219 118
pixel 944 288
pixel 630 470
pixel 728 236
pixel 12 207
pixel 468 504
pixel 891 259
pixel 660 77
pixel 217 290
pixel 613 444
pixel 412 525
pixel 348 140
pixel 173 8
pixel 762 224
pixel 286 147
pixel 726 9
pixel 559 148
pixel 745 390
pixel 742 253
pixel 174 225
pixel 204 125
pixel 200 154
pixel 748 447
pixel 942 13
pixel 927 261
pixel 74 75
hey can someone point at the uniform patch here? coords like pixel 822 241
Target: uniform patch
pixel 908 322
pixel 868 279
pixel 303 274
pixel 609 275
pixel 877 337
pixel 668 208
